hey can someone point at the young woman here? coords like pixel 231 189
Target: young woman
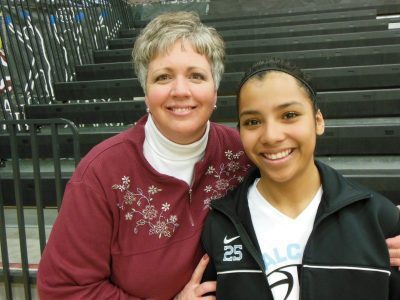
pixel 296 228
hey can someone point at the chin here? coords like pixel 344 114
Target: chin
pixel 279 178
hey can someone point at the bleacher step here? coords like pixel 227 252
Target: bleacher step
pixel 280 31
pixel 249 46
pixel 340 104
pixel 308 42
pixel 258 12
pixel 381 173
pixel 324 79
pixel 310 18
pixel 320 58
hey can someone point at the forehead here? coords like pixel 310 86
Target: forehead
pixel 273 82
pixel 179 53
pixel 273 87
pixel 272 79
pixel 169 48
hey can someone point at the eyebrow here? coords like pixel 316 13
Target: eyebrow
pixel 287 104
pixel 190 68
pixel 279 107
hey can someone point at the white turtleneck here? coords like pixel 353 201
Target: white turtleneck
pixel 170 158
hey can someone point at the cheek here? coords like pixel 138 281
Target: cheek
pixel 248 140
pixel 205 94
pixel 156 96
pixel 306 135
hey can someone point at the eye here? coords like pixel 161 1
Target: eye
pixel 162 77
pixel 250 122
pixel 197 76
pixel 290 115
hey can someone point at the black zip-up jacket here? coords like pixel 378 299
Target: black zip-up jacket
pixel 345 258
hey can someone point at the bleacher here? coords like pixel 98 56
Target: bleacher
pixel 356 71
pixel 353 58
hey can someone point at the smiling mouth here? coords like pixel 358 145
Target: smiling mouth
pixel 181 109
pixel 278 155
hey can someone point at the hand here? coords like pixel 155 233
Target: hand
pixel 394 250
pixel 194 289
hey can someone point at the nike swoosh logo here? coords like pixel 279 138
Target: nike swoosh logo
pixel 227 241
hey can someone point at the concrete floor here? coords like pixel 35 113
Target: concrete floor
pixel 31 230
pixel 32 241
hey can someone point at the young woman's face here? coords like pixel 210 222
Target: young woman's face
pixel 180 93
pixel 278 127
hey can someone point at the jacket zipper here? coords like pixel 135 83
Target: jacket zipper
pixel 189 207
pixel 190 200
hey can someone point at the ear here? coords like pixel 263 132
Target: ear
pixel 320 123
pixel 215 97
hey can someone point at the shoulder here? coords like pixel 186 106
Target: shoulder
pixel 111 153
pixel 388 214
pixel 369 203
pixel 226 134
pixel 225 143
pixel 215 222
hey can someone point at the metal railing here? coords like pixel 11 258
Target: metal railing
pixel 43 41
pixel 15 171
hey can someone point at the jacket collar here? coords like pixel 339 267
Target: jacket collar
pixel 338 192
pixel 136 136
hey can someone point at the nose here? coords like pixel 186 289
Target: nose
pixel 273 132
pixel 180 87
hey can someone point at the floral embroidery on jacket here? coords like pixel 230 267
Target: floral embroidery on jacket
pixel 226 175
pixel 143 205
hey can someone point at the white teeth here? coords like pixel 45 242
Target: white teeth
pixel 181 109
pixel 278 155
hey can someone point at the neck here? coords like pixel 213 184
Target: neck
pixel 293 196
pixel 168 149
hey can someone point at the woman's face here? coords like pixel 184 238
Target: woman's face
pixel 278 127
pixel 180 93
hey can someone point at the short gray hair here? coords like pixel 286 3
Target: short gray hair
pixel 165 30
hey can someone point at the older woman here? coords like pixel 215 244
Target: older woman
pixel 133 211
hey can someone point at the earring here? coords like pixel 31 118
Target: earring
pixel 147 110
pixel 215 107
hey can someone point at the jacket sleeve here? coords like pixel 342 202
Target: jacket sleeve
pixel 394 283
pixel 76 261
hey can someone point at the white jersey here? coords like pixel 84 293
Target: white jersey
pixel 282 241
